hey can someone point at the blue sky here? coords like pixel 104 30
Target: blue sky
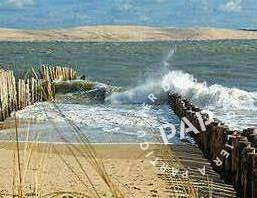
pixel 42 14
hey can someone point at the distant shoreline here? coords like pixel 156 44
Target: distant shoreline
pixel 112 33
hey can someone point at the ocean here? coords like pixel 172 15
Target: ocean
pixel 218 76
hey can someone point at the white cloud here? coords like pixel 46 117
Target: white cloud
pixel 126 6
pixel 231 6
pixel 20 3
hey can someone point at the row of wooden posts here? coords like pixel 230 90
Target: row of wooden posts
pixel 232 153
pixel 17 94
pixel 57 73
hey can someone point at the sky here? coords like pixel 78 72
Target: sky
pixel 46 14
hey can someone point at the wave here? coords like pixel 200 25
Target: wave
pixel 186 85
pixel 226 103
pixel 213 95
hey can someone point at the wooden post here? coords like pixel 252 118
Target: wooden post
pixel 26 92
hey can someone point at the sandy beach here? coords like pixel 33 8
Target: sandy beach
pixel 77 170
pixel 48 170
pixel 36 169
pixel 124 33
pixel 84 169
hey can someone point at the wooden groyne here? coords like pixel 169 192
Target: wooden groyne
pixel 15 94
pixel 232 153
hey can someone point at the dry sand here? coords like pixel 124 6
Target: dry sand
pixel 59 170
pixel 124 33
pixel 67 171
pixel 52 171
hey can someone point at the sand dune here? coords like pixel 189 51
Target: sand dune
pixel 124 33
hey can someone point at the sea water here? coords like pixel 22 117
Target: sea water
pixel 218 76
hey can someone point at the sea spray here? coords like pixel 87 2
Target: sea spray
pixel 230 104
pixel 209 95
pixel 153 85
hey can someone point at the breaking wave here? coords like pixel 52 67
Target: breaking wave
pixel 186 85
pixel 233 104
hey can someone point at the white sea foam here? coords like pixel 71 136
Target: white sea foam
pixel 90 115
pixel 234 106
pixel 121 119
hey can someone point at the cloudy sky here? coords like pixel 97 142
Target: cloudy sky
pixel 179 13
